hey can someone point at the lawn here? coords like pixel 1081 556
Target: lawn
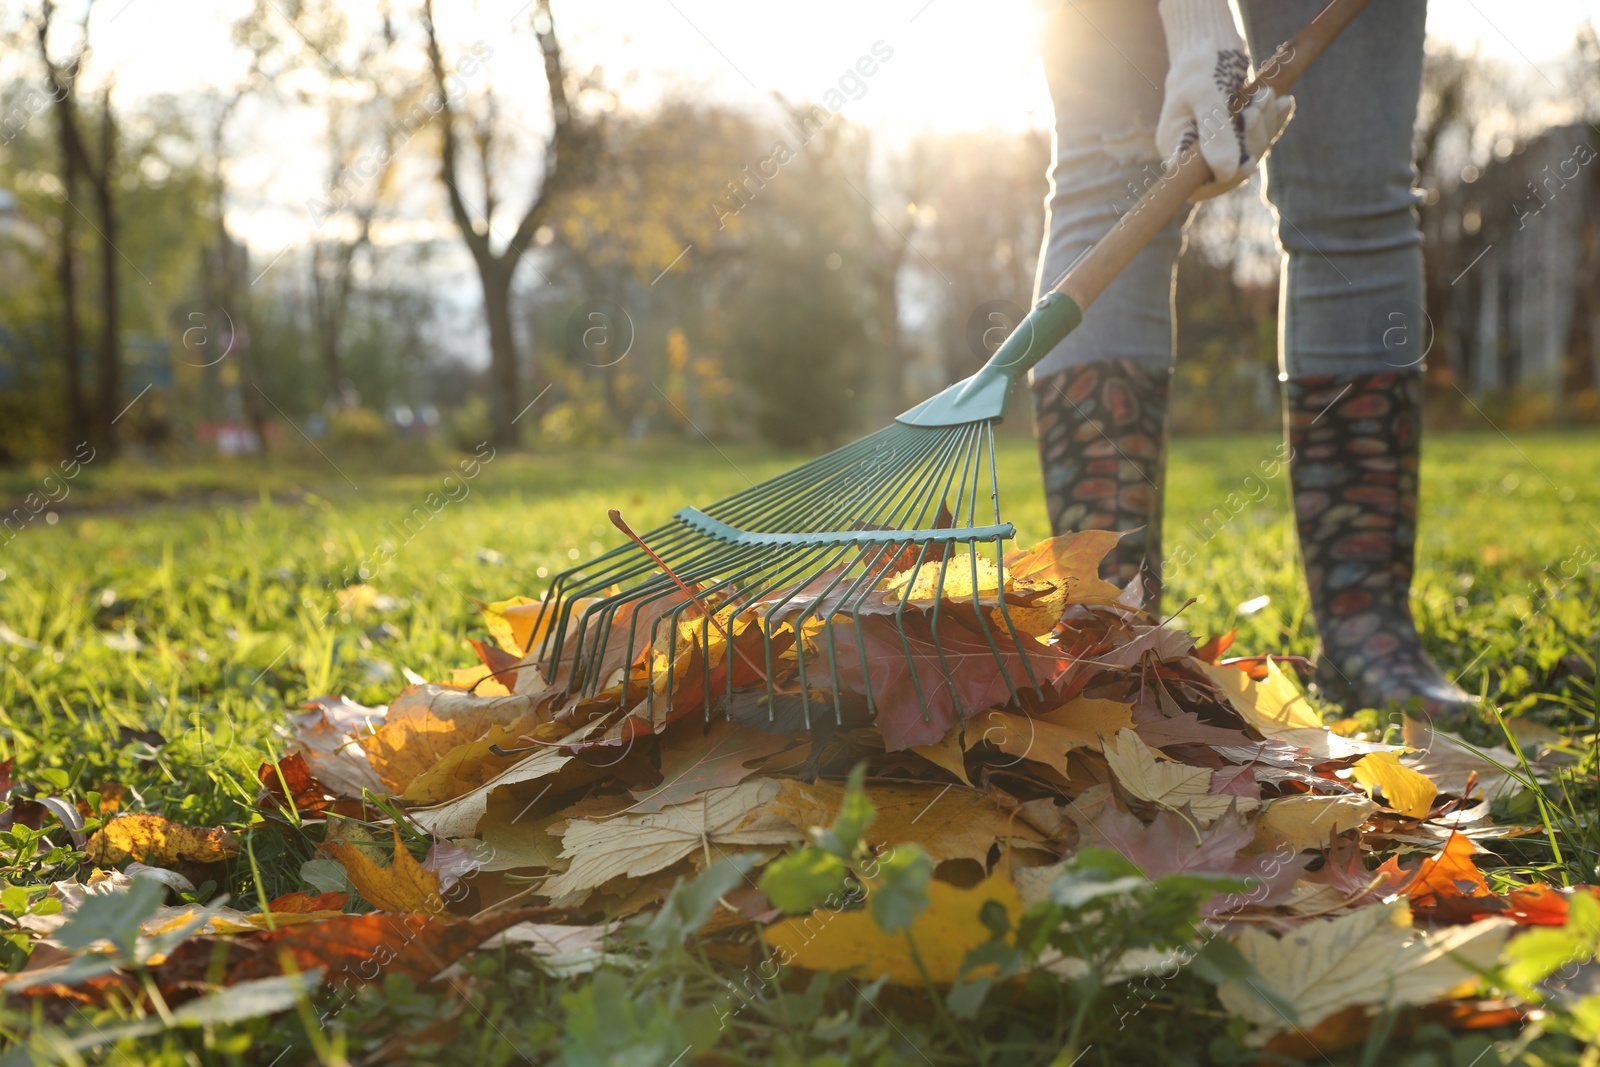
pixel 200 604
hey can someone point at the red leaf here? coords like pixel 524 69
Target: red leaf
pixel 303 793
pixel 975 682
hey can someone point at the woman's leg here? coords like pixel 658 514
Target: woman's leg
pixel 1352 335
pixel 1100 397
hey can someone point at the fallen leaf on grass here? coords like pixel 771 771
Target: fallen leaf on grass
pixel 156 840
pixel 1407 791
pixel 346 948
pixel 426 721
pixel 1171 785
pixel 947 753
pixel 633 845
pixel 326 735
pixel 943 934
pixel 1272 706
pixel 1371 956
pixel 1449 888
pixel 694 760
pixel 1451 762
pixel 1310 821
pixel 305 903
pixel 1169 844
pixel 948 822
pixel 915 701
pixel 289 786
pixel 402 886
pixel 1023 737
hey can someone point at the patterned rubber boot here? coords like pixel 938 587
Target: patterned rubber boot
pixel 1102 430
pixel 1355 442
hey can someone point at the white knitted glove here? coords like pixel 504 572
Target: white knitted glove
pixel 1207 64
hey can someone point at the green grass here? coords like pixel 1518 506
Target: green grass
pixel 205 620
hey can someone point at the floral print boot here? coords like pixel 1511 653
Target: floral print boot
pixel 1102 430
pixel 1355 442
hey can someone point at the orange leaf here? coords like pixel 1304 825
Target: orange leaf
pixel 405 885
pixel 305 903
pixel 1449 888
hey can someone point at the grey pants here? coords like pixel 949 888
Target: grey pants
pixel 1340 182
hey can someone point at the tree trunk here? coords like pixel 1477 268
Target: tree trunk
pixel 108 366
pixel 504 395
pixel 77 429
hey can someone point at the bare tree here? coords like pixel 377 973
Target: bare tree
pixel 78 161
pixel 568 156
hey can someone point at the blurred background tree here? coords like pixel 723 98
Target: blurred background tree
pixel 605 259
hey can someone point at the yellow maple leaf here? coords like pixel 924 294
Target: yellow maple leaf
pixel 944 933
pixel 1308 821
pixel 1171 785
pixel 1371 956
pixel 1028 738
pixel 156 840
pixel 403 886
pixel 1407 791
pixel 1273 706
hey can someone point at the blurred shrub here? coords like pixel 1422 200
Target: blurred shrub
pixel 361 427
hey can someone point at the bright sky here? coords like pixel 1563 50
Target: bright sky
pixel 950 68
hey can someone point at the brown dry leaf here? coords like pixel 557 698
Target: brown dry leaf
pixel 694 760
pixel 158 841
pixel 402 886
pixel 947 753
pixel 1310 820
pixel 460 817
pixel 630 846
pixel 426 721
pixel 325 734
pixel 1371 956
pixel 948 822
pixel 1407 791
pixel 1171 785
pixel 517 843
pixel 1450 762
pixel 1071 562
pixel 943 934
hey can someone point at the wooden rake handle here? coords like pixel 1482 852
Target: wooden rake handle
pixel 1088 278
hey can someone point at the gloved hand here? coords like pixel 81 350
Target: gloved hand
pixel 1207 64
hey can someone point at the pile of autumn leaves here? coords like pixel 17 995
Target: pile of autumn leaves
pixel 551 816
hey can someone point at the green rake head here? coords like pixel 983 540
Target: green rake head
pixel 813 544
